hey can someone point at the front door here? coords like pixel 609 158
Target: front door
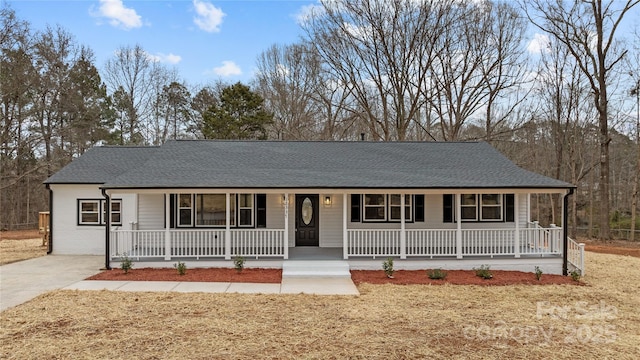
pixel 307 223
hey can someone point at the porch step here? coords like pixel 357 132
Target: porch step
pixel 315 268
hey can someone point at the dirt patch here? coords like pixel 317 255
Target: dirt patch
pixel 459 277
pixel 615 247
pixel 20 234
pixel 205 275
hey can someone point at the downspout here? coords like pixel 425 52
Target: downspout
pixel 50 249
pixel 107 250
pixel 565 232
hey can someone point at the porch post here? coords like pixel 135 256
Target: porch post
pixel 167 224
pixel 516 218
pixel 345 240
pixel 227 230
pixel 403 234
pixel 286 226
pixel 458 227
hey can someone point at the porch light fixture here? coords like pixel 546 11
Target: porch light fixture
pixel 327 200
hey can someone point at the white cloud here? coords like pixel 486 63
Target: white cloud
pixel 539 44
pixel 208 17
pixel 307 12
pixel 228 68
pixel 164 58
pixel 119 15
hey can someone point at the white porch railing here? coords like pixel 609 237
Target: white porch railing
pixel 575 255
pixel 140 244
pixel 373 243
pixel 443 242
pixel 258 242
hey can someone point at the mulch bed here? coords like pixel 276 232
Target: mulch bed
pixel 401 277
pixel 459 277
pixel 207 275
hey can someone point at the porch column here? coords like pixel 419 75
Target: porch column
pixel 227 230
pixel 516 218
pixel 403 234
pixel 286 225
pixel 458 226
pixel 167 224
pixel 345 240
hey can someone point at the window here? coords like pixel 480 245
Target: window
pixel 480 207
pixel 185 208
pixel 491 207
pixel 209 210
pixel 116 211
pixel 395 202
pixel 375 207
pixel 94 212
pixel 468 204
pixel 245 209
pixel 89 213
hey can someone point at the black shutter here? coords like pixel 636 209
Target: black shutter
pixel 447 208
pixel 261 210
pixel 418 201
pixel 172 209
pixel 509 208
pixel 355 207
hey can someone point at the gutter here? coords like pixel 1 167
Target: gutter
pixel 565 232
pixel 50 248
pixel 107 250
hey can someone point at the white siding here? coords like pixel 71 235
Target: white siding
pixel 150 211
pixel 331 221
pixel 68 237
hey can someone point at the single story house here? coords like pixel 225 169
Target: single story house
pixel 427 204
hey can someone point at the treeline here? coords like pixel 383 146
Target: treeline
pixel 392 70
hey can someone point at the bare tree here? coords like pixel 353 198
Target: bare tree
pixel 381 51
pixel 133 72
pixel 587 28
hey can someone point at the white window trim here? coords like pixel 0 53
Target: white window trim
pixel 80 212
pixel 195 212
pixel 103 220
pixel 408 204
pixel 499 205
pixel 478 208
pixel 179 208
pixel 365 206
pixel 250 208
pixel 474 206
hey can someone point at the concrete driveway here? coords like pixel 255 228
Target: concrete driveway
pixel 24 280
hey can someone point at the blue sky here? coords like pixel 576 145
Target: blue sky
pixel 205 40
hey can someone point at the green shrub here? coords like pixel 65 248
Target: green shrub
pixel 238 263
pixel 387 266
pixel 181 268
pixel 538 273
pixel 436 274
pixel 575 275
pixel 483 272
pixel 125 263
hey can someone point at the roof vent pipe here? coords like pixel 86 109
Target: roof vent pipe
pixel 361 136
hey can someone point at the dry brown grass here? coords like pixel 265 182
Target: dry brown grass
pixel 18 250
pixel 386 321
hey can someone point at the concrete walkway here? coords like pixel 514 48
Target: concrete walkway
pixel 24 280
pixel 299 285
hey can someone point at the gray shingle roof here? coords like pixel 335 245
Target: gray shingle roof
pixel 278 164
pixel 101 164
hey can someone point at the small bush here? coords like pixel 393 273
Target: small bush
pixel 483 272
pixel 436 274
pixel 181 268
pixel 387 266
pixel 125 263
pixel 238 263
pixel 538 272
pixel 575 275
